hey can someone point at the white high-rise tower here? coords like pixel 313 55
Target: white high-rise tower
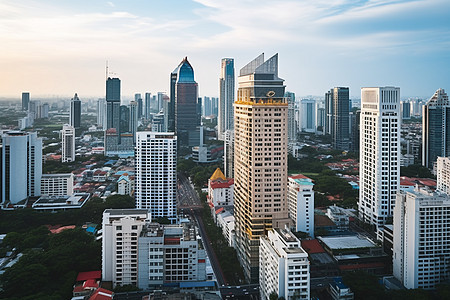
pixel 225 120
pixel 68 143
pixel 379 153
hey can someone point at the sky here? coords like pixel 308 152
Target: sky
pixel 59 47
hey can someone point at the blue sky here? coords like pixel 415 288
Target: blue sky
pixel 60 47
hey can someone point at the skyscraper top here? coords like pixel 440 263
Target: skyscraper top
pixel 185 71
pixel 75 97
pixel 258 66
pixel 439 98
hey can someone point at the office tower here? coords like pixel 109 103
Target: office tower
pixel 148 97
pixel 379 154
pixel 166 104
pixel 133 122
pixel 284 266
pixel 121 228
pixel 225 120
pixel 292 129
pixel 421 239
pixel 75 112
pixel 260 158
pixel 169 253
pixel 406 110
pixel 215 106
pixel 183 91
pixel 101 113
pixel 436 128
pixel 158 123
pixel 337 112
pixel 20 166
pixel 301 203
pixel 33 108
pixel 160 102
pixel 308 115
pixel 320 113
pixel 57 184
pixel 25 100
pixel 113 103
pixel 124 119
pixel 156 173
pixel 355 124
pixel 140 108
pixel 68 143
pixel 44 110
pixel 443 175
pixel 229 153
pixel 206 106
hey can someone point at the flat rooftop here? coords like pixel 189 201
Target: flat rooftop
pixel 347 242
pixel 122 212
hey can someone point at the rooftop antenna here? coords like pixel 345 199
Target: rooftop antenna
pixel 106 70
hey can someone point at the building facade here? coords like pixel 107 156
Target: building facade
pixel 220 190
pixel 25 100
pixel 284 266
pixel 134 113
pixel 225 120
pixel 301 203
pixel 57 184
pixel 113 103
pixel 260 157
pixel 20 166
pixel 229 153
pixel 156 173
pixel 292 128
pixel 337 111
pixel 421 257
pixel 436 128
pixel 379 154
pixel 75 112
pixel 67 143
pixel 308 115
pixel 443 175
pixel 101 113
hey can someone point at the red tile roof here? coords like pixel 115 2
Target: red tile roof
pixel 90 283
pixel 82 276
pixel 312 246
pixel 299 176
pixel 218 184
pixel 101 294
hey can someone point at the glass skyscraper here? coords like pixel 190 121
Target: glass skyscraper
pixel 113 103
pixel 225 120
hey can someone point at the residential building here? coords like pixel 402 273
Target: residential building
pixel 339 216
pixel 57 184
pixel 170 253
pixel 260 158
pixel 225 220
pixel 121 229
pixel 406 110
pixel 124 119
pixel 301 203
pixel 113 103
pixel 225 120
pixel 134 113
pixel 337 122
pixel 67 143
pixel 308 115
pixel 148 97
pixel 229 153
pixel 284 266
pixel 156 173
pixel 75 112
pixel 20 166
pixel 125 185
pixel 435 128
pixel 101 113
pixel 25 100
pixel 379 177
pixel 443 175
pixel 421 239
pixel 292 128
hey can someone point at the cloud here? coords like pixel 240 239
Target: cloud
pixel 111 4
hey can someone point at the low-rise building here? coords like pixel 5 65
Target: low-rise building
pixel 443 174
pixel 338 216
pixel 339 291
pixel 225 221
pixel 283 266
pixel 301 203
pixel 76 200
pixel 57 184
pixel 125 185
pixel 220 190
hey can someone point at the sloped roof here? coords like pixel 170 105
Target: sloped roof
pixel 217 175
pixel 82 276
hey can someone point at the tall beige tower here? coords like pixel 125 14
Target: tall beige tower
pixel 260 157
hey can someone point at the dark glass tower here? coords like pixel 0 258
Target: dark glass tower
pixel 337 117
pixel 184 90
pixel 25 100
pixel 436 128
pixel 113 103
pixel 75 112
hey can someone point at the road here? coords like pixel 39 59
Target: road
pixel 187 196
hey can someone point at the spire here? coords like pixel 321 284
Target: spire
pixel 217 175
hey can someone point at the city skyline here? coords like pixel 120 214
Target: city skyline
pixel 387 43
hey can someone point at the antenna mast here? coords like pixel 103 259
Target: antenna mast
pixel 106 70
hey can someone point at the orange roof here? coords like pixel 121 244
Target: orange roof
pixel 217 175
pixel 219 210
pixel 312 246
pixel 299 176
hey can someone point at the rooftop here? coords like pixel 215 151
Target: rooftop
pixel 347 242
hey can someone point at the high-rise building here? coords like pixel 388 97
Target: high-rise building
pixel 113 103
pixel 337 111
pixel 379 154
pixel 308 115
pixel 406 110
pixel 355 125
pixel 225 120
pixel 140 105
pixel 20 166
pixel 229 154
pixel 134 112
pixel 206 106
pixel 292 129
pixel 156 173
pixel 75 112
pixel 421 245
pixel 284 266
pixel 184 91
pixel 68 143
pixel 25 100
pixel 260 158
pixel 124 119
pixel 435 128
pixel 101 113
pixel 301 203
pixel 443 175
pixel 148 97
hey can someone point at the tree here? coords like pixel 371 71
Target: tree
pixel 273 296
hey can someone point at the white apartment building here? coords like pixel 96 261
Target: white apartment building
pixel 443 174
pixel 301 203
pixel 421 257
pixel 57 184
pixel 125 185
pixel 229 153
pixel 379 154
pixel 68 143
pixel 220 190
pixel 121 229
pixel 101 113
pixel 226 221
pixel 156 173
pixel 283 266
pixel 170 253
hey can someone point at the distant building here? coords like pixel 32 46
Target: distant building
pixel 406 110
pixel 308 115
pixel 101 113
pixel 338 216
pixel 57 184
pixel 421 239
pixel 20 166
pixel 68 143
pixel 443 174
pixel 284 266
pixel 301 203
pixel 61 202
pixel 134 114
pixel 125 185
pixel 225 119
pixel 147 102
pixel 113 104
pixel 337 110
pixel 75 112
pixel 25 100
